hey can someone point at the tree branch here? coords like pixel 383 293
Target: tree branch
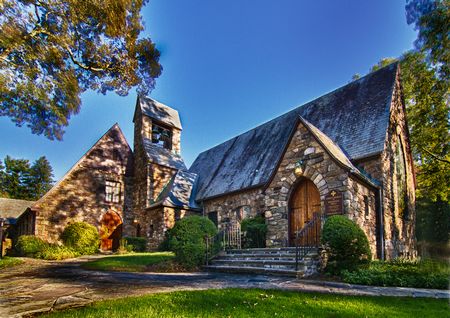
pixel 436 156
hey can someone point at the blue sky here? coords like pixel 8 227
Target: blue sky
pixel 232 65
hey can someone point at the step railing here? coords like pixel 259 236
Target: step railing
pixel 228 238
pixel 308 238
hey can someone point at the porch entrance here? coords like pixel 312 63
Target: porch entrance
pixel 304 203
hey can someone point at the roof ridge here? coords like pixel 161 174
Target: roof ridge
pixel 303 105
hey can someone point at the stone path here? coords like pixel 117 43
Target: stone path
pixel 40 286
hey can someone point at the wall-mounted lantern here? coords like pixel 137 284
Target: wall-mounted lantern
pixel 298 170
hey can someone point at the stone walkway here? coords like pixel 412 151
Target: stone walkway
pixel 40 286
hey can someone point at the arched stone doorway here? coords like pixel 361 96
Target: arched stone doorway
pixel 110 231
pixel 304 202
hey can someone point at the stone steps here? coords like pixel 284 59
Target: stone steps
pixel 273 261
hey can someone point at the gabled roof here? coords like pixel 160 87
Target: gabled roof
pixel 162 156
pixel 159 111
pixel 355 117
pixel 336 152
pixel 12 209
pixel 179 192
pixel 114 131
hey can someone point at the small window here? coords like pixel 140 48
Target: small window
pixel 151 231
pixel 112 191
pixel 161 136
pixel 213 217
pixel 366 205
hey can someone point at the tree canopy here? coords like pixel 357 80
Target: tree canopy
pixel 20 180
pixel 51 51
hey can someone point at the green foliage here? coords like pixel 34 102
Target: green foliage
pixel 187 240
pixel 346 242
pixel 255 230
pixel 81 237
pixel 261 303
pixel 52 51
pixel 29 245
pixel 20 180
pixel 431 20
pixel 402 273
pixel 138 244
pixel 56 252
pixel 9 262
pixel 432 221
pixel 427 109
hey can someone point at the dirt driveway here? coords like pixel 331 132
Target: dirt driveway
pixel 40 286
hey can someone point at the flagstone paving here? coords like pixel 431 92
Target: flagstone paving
pixel 40 286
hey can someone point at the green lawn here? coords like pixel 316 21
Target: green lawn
pixel 260 303
pixel 138 262
pixel 9 261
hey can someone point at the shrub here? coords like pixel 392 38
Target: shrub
pixel 29 245
pixel 187 240
pixel 56 252
pixel 346 243
pixel 81 237
pixel 138 244
pixel 255 230
pixel 422 274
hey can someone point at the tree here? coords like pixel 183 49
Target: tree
pixel 431 18
pixel 16 178
pixel 52 51
pixel 20 180
pixel 426 97
pixel 41 178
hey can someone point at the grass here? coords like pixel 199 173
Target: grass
pixel 137 262
pixel 9 262
pixel 259 303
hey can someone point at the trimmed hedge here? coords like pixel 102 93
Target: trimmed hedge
pixel 81 237
pixel 346 244
pixel 187 240
pixel 29 245
pixel 138 244
pixel 255 230
pixel 417 274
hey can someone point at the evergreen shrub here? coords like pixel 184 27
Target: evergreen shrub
pixel 346 244
pixel 187 240
pixel 81 237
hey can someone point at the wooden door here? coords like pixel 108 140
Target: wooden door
pixel 110 231
pixel 305 201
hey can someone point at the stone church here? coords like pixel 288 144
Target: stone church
pixel 346 152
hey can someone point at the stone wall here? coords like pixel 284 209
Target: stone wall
pixel 327 175
pixel 399 221
pixel 80 195
pixel 234 207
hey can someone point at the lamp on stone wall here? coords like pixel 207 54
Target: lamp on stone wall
pixel 298 170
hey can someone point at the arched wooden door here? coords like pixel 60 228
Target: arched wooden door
pixel 110 231
pixel 305 201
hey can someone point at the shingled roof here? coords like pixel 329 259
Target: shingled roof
pixel 179 192
pixel 355 117
pixel 159 111
pixel 162 156
pixel 11 209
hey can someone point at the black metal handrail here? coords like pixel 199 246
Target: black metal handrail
pixel 228 238
pixel 308 238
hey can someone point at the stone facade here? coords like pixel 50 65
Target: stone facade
pixel 80 194
pixel 235 207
